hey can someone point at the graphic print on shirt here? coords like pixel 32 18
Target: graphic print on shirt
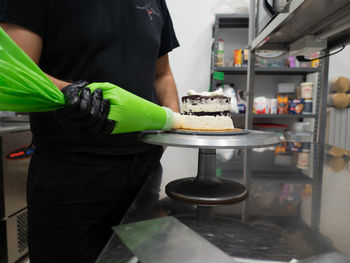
pixel 149 9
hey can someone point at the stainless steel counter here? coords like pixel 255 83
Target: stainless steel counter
pixel 298 205
pixel 8 127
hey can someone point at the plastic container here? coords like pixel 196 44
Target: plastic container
pixel 220 60
pixel 286 87
pixel 245 56
pixel 306 90
pixel 306 146
pixel 229 91
pixel 241 107
pixel 241 102
pixel 300 126
pixel 307 106
pixel 303 160
pixel 260 105
pixel 238 57
pixel 290 62
pixel 298 92
pixel 298 136
pixel 271 58
pixel 272 106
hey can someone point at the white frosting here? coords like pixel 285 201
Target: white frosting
pixel 209 123
pixel 218 92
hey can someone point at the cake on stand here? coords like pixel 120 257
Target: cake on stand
pixel 206 188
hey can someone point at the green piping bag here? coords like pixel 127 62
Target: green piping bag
pixel 25 88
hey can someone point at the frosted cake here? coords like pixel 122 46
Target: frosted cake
pixel 205 111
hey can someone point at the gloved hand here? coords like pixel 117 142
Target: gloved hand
pixel 85 113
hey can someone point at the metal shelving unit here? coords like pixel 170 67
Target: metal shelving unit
pixel 225 21
pixel 229 21
pixel 267 71
pixel 275 116
pixel 322 19
pixel 300 18
pixel 242 21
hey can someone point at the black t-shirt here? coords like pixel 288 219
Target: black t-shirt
pixel 115 41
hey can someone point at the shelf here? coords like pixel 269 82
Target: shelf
pixel 267 71
pixel 232 21
pixel 307 17
pixel 272 176
pixel 288 177
pixel 274 116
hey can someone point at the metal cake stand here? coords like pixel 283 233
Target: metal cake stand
pixel 206 188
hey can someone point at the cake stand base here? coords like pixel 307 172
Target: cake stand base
pixel 214 192
pixel 208 189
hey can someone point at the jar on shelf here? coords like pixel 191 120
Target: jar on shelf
pixel 272 105
pixel 307 106
pixel 303 159
pixel 306 90
pixel 220 58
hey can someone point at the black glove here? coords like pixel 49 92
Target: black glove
pixel 85 113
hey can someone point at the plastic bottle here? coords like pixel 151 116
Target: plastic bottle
pixel 245 57
pixel 238 57
pixel 242 104
pixel 221 54
pixel 229 91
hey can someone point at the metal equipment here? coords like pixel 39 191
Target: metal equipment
pixel 15 156
pixel 206 188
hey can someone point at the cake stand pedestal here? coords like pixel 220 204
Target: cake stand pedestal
pixel 206 188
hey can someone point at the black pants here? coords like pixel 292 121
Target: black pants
pixel 74 199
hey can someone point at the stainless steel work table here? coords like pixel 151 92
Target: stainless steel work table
pixel 298 204
pixel 9 127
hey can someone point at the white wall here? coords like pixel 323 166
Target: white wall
pixel 339 64
pixel 190 64
pixel 193 26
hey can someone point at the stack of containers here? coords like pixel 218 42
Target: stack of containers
pixel 263 105
pixel 290 100
pixel 306 89
pixel 293 100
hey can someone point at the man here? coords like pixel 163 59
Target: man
pixel 81 181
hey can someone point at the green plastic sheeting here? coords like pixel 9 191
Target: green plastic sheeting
pixel 25 88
